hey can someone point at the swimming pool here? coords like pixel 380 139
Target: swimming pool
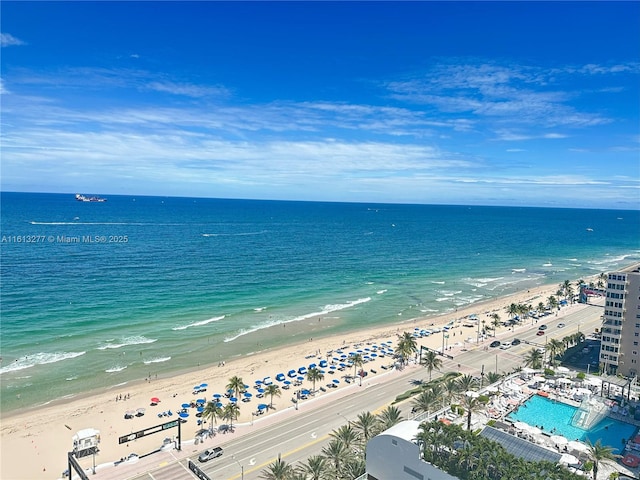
pixel 549 415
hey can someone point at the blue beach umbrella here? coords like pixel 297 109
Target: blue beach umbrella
pixel 204 385
pixel 219 404
pixel 233 399
pixel 305 392
pixel 201 400
pixel 287 382
pixel 335 380
pixel 200 409
pixel 248 395
pixel 300 378
pixel 333 367
pixel 217 395
pixel 374 355
pixel 261 390
pixel 262 406
pixel 185 405
pixel 183 415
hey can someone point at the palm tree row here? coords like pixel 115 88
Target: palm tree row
pixel 466 455
pixel 343 457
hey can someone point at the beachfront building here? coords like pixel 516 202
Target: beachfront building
pixel 395 454
pixel 621 324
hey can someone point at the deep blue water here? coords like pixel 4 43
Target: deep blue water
pixel 179 281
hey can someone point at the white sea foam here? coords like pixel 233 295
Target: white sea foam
pixel 157 360
pixel 115 369
pixel 437 283
pixel 547 264
pixel 259 309
pixel 69 379
pixel 41 358
pixel 380 292
pixel 198 324
pixel 518 270
pixel 126 341
pixel 327 309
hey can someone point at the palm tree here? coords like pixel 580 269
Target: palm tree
pixel 451 389
pixel 512 310
pixel 540 308
pixel 466 383
pixel 471 404
pixel 493 377
pixel 598 453
pixel 357 361
pixel 314 468
pixel 407 346
pixel 213 412
pixel 236 385
pixel 389 417
pixel 431 362
pixel 533 359
pixel 272 390
pixel 552 302
pixel 495 322
pixel 335 452
pixel 230 412
pixel 313 375
pixel 366 425
pixel 556 347
pixel 278 470
pixel 347 435
pixel 424 402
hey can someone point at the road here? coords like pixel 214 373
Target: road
pixel 302 433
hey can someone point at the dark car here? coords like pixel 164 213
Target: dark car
pixel 515 342
pixel 495 344
pixel 210 453
pixel 542 327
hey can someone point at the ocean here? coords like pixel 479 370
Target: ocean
pixel 100 294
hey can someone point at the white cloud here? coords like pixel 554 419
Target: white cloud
pixel 8 40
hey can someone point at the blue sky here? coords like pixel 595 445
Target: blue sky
pixel 525 103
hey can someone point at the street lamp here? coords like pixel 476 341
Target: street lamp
pixel 241 467
pixel 348 421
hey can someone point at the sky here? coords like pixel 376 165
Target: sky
pixel 472 103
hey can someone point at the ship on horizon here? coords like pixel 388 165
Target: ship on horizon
pixel 84 198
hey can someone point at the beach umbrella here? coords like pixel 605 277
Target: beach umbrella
pixel 200 409
pixel 287 382
pixel 248 395
pixel 305 392
pixel 155 400
pixel 300 378
pixel 218 404
pixel 258 382
pixel 374 355
pixel 217 395
pixel 343 356
pixel 333 367
pixel 183 415
pixel 261 390
pixel 233 399
pixel 197 387
pixel 262 406
pixel 204 385
pixel 201 400
pixel 335 380
pixel 186 405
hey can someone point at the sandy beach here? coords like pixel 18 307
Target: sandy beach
pixel 34 442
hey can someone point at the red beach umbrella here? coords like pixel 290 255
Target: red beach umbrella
pixel 155 400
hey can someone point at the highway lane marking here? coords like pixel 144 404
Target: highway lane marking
pixel 284 455
pixel 252 461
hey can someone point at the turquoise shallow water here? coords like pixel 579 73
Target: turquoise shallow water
pixel 170 283
pixel 551 415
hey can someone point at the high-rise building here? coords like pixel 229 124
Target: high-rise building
pixel 621 324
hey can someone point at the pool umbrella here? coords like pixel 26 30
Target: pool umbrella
pixel 558 439
pixel 568 459
pixel 575 445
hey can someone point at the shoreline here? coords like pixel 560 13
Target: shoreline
pixel 52 425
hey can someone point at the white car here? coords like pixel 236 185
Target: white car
pixel 210 453
pixel 505 345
